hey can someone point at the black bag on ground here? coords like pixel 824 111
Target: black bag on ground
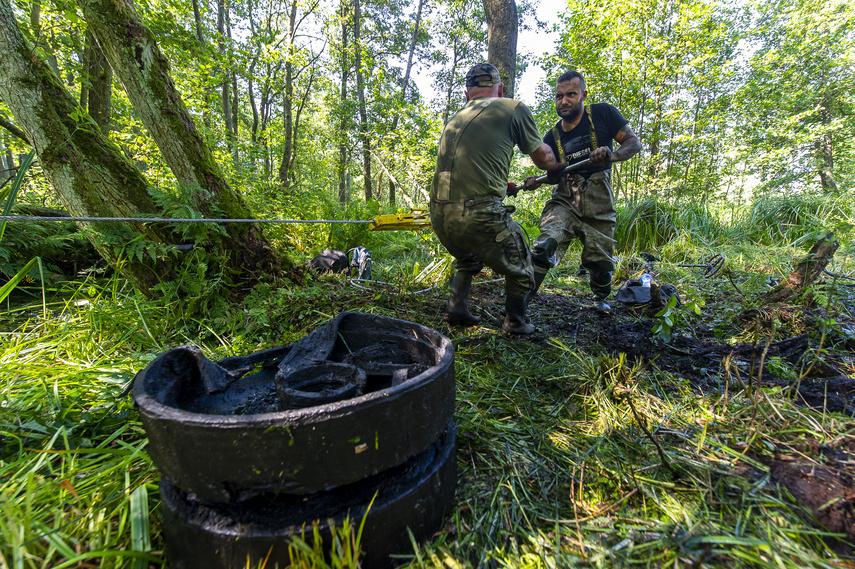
pixel 633 292
pixel 331 260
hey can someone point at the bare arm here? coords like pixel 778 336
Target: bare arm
pixel 544 158
pixel 629 147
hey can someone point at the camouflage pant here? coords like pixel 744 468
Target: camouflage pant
pixel 480 231
pixel 582 209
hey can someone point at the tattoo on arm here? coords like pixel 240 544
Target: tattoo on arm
pixel 629 144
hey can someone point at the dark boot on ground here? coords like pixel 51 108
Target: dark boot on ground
pixel 538 280
pixel 601 286
pixel 515 316
pixel 457 311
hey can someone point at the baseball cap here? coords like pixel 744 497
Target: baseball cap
pixel 483 75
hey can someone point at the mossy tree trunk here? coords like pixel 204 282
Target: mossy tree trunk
pixel 90 175
pixel 143 71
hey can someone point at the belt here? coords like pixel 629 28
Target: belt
pixel 469 202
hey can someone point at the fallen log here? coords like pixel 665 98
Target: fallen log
pixel 807 270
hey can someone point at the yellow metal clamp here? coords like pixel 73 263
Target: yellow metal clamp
pixel 416 219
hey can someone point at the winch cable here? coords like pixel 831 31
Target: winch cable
pixel 173 220
pixel 356 283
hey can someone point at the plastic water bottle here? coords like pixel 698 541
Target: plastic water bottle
pixel 645 280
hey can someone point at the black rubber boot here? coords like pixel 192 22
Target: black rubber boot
pixel 601 286
pixel 457 311
pixel 515 316
pixel 538 279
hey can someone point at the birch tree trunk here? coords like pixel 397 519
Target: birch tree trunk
pixel 143 71
pixel 343 186
pixel 502 28
pixel 360 92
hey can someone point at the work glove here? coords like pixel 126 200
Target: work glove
pixel 554 175
pixel 513 189
pixel 530 184
pixel 600 156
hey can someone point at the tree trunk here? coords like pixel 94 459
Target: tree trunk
pixel 90 175
pixel 823 150
pixel 502 22
pixel 144 72
pixel 233 77
pixel 287 104
pixel 807 270
pixel 225 85
pixel 360 91
pixel 101 78
pixel 200 37
pixel 343 189
pixel 404 85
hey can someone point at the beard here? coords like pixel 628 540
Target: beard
pixel 570 114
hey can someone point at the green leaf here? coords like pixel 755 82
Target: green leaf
pixel 7 288
pixel 140 540
pixel 16 185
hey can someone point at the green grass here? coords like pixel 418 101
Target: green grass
pixel 568 455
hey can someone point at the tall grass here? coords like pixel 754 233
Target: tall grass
pixel 71 450
pixel 777 219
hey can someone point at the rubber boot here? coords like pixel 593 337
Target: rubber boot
pixel 538 280
pixel 515 316
pixel 457 311
pixel 601 286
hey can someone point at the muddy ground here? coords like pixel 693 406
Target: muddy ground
pixel 819 349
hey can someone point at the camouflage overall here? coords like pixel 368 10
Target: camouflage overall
pixel 582 209
pixel 480 231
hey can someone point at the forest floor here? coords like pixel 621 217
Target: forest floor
pixel 826 487
pixel 778 382
pixel 725 438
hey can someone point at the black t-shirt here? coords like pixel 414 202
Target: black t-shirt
pixel 578 144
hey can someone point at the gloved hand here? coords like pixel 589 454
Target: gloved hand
pixel 600 156
pixel 554 175
pixel 529 184
pixel 513 189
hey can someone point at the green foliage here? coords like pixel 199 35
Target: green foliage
pixel 792 219
pixel 670 316
pixel 796 98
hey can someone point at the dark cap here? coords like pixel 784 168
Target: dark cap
pixel 483 75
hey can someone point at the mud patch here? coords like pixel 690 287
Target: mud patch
pixel 829 394
pixel 822 488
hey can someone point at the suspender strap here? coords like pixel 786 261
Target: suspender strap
pixel 557 137
pixel 593 130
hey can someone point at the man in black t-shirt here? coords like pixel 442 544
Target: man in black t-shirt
pixel 582 203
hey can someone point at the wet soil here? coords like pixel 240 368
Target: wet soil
pixel 822 368
pixel 820 478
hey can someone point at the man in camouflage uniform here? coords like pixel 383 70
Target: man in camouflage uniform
pixel 582 204
pixel 470 182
